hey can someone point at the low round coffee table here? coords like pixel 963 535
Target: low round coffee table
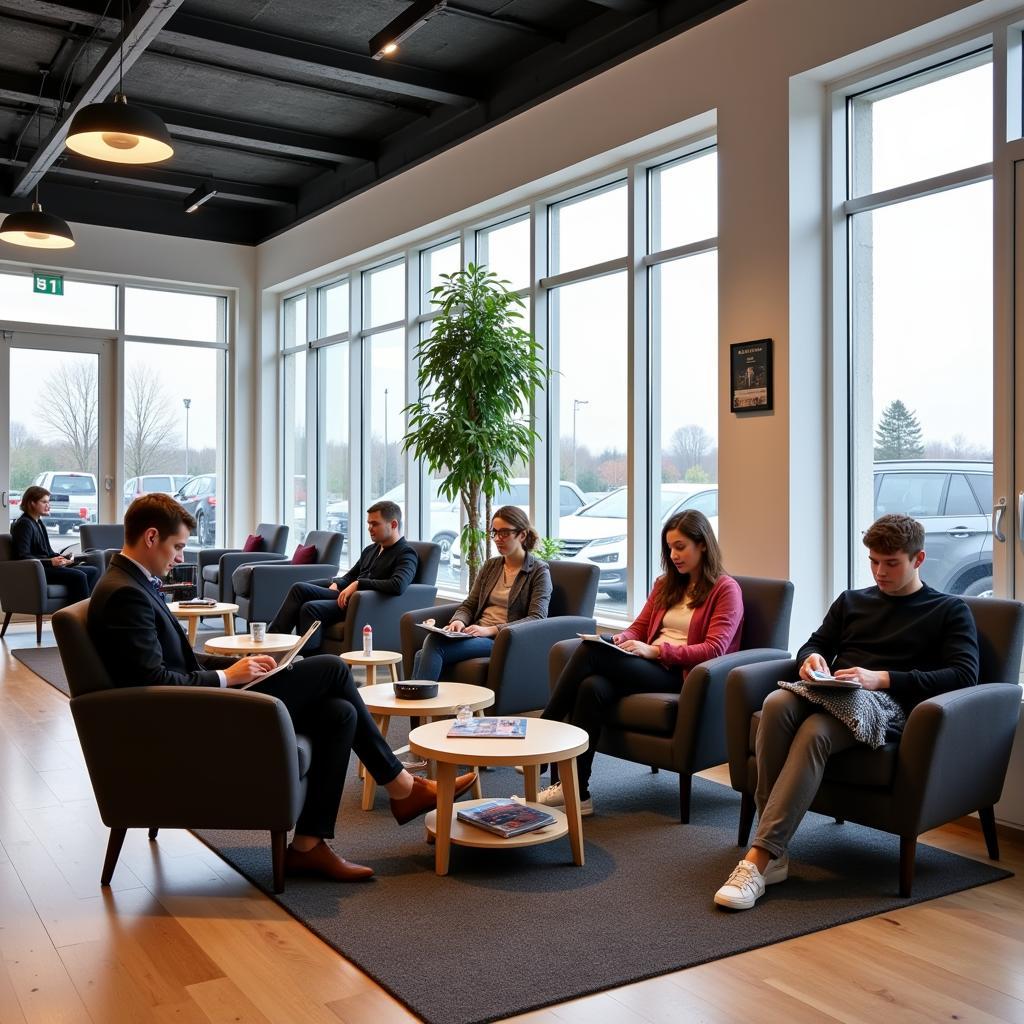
pixel 242 644
pixel 381 702
pixel 545 741
pixel 371 661
pixel 194 614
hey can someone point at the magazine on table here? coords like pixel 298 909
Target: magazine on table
pixel 287 660
pixel 506 818
pixel 489 729
pixel 605 639
pixel 198 602
pixel 429 626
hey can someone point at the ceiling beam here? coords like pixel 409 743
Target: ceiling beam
pixel 77 13
pixel 626 6
pixel 511 24
pixel 146 21
pixel 231 45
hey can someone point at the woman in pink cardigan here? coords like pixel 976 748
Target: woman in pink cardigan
pixel 694 613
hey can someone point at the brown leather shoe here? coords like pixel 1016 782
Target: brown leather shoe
pixel 322 860
pixel 423 797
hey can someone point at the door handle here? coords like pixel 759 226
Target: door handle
pixel 1020 515
pixel 997 521
pixel 3 499
pixel 959 532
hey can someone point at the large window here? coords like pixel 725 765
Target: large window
pixel 921 316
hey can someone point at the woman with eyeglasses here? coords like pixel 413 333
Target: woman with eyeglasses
pixel 512 587
pixel 693 613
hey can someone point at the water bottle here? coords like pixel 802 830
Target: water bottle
pixel 367 639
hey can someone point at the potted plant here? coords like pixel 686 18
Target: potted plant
pixel 478 372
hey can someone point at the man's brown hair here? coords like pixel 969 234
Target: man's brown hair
pixel 892 533
pixel 156 510
pixel 389 511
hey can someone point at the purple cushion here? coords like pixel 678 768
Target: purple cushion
pixel 304 555
pixel 253 542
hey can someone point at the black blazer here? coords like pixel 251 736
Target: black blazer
pixel 30 540
pixel 139 641
pixel 387 572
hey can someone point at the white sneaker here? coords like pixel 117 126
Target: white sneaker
pixel 743 889
pixel 554 797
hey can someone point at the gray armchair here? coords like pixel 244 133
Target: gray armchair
pixel 950 761
pixel 100 541
pixel 685 732
pixel 23 588
pixel 181 756
pixel 383 612
pixel 517 668
pixel 217 565
pixel 260 588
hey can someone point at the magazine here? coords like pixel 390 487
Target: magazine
pixel 287 660
pixel 489 729
pixel 605 639
pixel 506 818
pixel 198 602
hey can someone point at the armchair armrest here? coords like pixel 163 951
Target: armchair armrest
pixel 269 584
pixel 198 757
pixel 412 638
pixel 945 769
pixel 232 560
pixel 745 690
pixel 518 673
pixel 211 556
pixel 383 612
pixel 23 586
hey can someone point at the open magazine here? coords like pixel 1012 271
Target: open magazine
pixel 287 660
pixel 605 639
pixel 428 625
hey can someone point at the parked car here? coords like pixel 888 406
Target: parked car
pixel 14 499
pixel 199 496
pixel 953 501
pixel 597 533
pixel 162 483
pixel 72 498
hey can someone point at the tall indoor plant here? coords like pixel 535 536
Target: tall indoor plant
pixel 478 371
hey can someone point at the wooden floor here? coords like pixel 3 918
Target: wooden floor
pixel 179 936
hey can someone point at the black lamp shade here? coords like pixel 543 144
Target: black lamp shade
pixel 36 229
pixel 119 132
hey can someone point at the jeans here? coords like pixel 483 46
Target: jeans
pixel 305 604
pixel 437 654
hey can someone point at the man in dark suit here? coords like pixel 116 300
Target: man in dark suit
pixel 142 644
pixel 387 565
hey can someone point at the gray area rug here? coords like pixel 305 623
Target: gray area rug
pixel 510 931
pixel 46 663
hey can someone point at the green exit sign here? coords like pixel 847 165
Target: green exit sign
pixel 47 284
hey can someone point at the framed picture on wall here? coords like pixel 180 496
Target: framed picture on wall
pixel 750 375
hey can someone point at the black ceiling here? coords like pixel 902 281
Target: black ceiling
pixel 277 103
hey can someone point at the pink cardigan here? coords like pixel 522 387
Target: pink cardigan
pixel 714 629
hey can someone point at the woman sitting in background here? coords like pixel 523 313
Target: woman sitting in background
pixel 693 613
pixel 512 587
pixel 30 540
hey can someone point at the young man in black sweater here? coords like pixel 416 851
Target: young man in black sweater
pixel 900 636
pixel 387 565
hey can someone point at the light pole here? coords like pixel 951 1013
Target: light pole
pixel 187 402
pixel 576 403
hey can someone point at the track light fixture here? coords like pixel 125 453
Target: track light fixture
pixel 205 192
pixel 385 43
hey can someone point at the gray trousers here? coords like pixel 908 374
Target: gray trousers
pixel 794 741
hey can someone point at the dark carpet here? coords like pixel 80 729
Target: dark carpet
pixel 510 931
pixel 46 663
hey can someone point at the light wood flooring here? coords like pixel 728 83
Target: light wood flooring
pixel 181 937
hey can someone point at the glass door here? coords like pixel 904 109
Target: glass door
pixel 59 429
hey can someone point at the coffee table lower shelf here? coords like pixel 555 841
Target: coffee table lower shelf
pixel 463 834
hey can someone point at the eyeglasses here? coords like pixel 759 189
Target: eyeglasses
pixel 504 534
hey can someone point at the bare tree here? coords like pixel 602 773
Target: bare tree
pixel 149 427
pixel 69 409
pixel 689 445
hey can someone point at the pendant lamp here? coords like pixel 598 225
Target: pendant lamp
pixel 117 131
pixel 36 229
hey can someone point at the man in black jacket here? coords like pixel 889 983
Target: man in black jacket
pixel 387 565
pixel 142 644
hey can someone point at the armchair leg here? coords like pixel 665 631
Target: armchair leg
pixel 685 785
pixel 746 818
pixel 988 827
pixel 39 629
pixel 7 620
pixel 278 841
pixel 114 844
pixel 908 855
pixel 654 770
pixel 152 833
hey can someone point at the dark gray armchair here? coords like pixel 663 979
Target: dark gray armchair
pixel 517 668
pixel 260 588
pixel 23 588
pixel 950 761
pixel 181 756
pixel 685 732
pixel 100 541
pixel 217 565
pixel 383 612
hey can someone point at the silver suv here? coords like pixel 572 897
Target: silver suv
pixel 953 501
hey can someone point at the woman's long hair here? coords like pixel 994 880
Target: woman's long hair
pixel 518 520
pixel 695 525
pixel 32 494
